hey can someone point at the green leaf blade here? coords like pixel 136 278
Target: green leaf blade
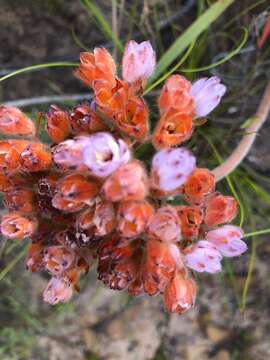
pixel 190 35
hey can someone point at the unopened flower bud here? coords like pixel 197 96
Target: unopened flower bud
pixel 227 239
pixel 17 226
pixel 207 93
pixel 180 293
pixel 57 290
pixel 139 61
pixel 171 168
pixel 127 183
pixel 203 256
pixel 14 122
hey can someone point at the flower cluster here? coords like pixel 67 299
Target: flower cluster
pixel 86 198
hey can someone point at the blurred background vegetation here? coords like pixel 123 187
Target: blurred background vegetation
pixel 231 320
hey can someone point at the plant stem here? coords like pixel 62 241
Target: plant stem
pixel 242 149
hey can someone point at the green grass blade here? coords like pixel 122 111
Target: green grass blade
pixel 168 73
pixel 224 59
pixel 12 263
pixel 94 10
pixel 38 67
pixel 190 35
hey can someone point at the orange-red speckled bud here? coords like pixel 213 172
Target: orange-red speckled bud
pixel 15 123
pixel 35 157
pixel 134 217
pixel 128 182
pixel 57 124
pixel 16 226
pixel 180 293
pixel 198 185
pixel 220 209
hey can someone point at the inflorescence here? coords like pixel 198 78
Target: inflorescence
pixel 87 199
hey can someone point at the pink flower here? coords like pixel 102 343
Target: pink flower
pixel 68 154
pixel 207 93
pixel 139 61
pixel 171 168
pixel 57 291
pixel 203 257
pixel 103 154
pixel 227 239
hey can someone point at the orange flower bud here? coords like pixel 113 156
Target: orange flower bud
pixel 57 124
pixel 165 225
pixel 5 183
pixel 16 226
pixel 14 122
pixel 21 200
pixel 191 218
pixel 198 185
pixel 35 157
pixel 77 188
pixel 173 129
pixel 176 93
pixel 98 219
pixel 69 206
pixel 162 260
pixel 220 209
pixel 134 217
pixel 97 66
pixel 132 119
pixel 128 182
pixel 57 259
pixel 85 120
pixel 180 294
pixel 9 157
pixel 34 261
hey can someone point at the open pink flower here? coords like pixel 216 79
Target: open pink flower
pixel 207 93
pixel 103 154
pixel 203 257
pixel 227 239
pixel 57 290
pixel 139 61
pixel 171 168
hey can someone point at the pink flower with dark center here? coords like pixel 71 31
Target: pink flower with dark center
pixel 207 93
pixel 103 154
pixel 139 61
pixel 227 239
pixel 57 290
pixel 171 168
pixel 203 256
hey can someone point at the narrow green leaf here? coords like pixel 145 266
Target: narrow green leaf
pixel 184 40
pixel 37 67
pixel 103 23
pixel 12 263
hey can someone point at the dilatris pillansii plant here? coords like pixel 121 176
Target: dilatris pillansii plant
pixel 86 199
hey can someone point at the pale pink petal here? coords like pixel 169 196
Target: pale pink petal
pixel 139 61
pixel 227 239
pixel 103 154
pixel 57 291
pixel 172 167
pixel 203 257
pixel 207 93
